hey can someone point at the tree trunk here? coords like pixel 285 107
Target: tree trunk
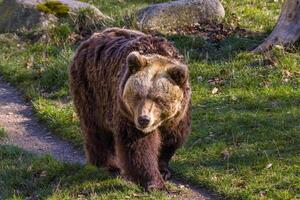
pixel 287 30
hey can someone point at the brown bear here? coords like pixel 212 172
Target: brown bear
pixel 132 96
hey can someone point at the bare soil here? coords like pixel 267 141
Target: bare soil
pixel 24 130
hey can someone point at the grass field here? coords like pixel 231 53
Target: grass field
pixel 245 135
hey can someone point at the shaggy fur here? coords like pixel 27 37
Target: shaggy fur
pixel 102 81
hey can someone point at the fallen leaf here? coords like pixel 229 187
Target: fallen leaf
pixel 43 174
pixel 216 81
pixel 214 178
pixel 269 165
pixel 215 90
pixel 287 75
pixel 136 195
pixel 265 84
pixel 29 169
pixel 225 154
pixel 240 184
pixel 29 62
pixel 74 117
pixel 278 47
pixel 262 194
pixel 234 98
pixel 81 196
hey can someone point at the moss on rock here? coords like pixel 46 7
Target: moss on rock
pixel 53 7
pixel 29 14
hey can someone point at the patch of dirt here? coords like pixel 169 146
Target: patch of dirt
pixel 23 130
pixel 215 32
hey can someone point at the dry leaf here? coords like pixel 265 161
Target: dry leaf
pixel 225 154
pixel 278 47
pixel 74 117
pixel 234 98
pixel 269 165
pixel 43 174
pixel 29 169
pixel 29 62
pixel 215 90
pixel 214 178
pixel 240 184
pixel 262 194
pixel 216 81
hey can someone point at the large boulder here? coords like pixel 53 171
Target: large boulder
pixel 165 17
pixel 17 14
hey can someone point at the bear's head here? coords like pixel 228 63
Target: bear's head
pixel 154 90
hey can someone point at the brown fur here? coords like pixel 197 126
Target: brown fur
pixel 98 75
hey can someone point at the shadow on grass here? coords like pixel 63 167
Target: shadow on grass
pixel 196 48
pixel 24 175
pixel 254 140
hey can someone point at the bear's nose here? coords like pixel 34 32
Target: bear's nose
pixel 144 121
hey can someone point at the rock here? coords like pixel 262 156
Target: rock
pixel 17 14
pixel 167 17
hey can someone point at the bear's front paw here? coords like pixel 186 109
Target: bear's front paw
pixel 114 171
pixel 156 186
pixel 165 173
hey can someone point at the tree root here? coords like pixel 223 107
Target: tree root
pixel 287 30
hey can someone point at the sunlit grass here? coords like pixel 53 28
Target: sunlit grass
pixel 25 176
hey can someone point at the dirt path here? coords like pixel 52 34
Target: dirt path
pixel 23 130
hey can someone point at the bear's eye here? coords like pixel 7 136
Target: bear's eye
pixel 163 115
pixel 137 97
pixel 160 101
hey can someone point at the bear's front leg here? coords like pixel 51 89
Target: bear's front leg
pixel 139 157
pixel 172 138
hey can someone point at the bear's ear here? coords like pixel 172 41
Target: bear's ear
pixel 136 61
pixel 179 74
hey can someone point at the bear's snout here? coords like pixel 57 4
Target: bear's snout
pixel 143 121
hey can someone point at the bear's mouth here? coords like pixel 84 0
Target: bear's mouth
pixel 148 129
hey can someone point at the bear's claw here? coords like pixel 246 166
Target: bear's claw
pixel 165 171
pixel 157 186
pixel 166 174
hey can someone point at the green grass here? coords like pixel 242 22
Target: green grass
pixel 245 139
pixel 26 176
pixel 255 15
pixel 2 133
